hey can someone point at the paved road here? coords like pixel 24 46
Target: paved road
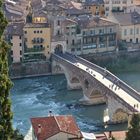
pixel 118 88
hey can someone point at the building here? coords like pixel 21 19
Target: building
pixel 116 6
pixel 129 28
pixel 136 2
pixel 55 127
pixel 96 7
pixel 14 35
pixel 37 40
pixel 73 41
pixel 97 35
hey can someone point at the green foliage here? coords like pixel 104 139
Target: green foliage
pixel 134 131
pixel 17 136
pixel 6 130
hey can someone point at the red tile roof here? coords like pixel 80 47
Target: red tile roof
pixel 54 124
pixel 119 135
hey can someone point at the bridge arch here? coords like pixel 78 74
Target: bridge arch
pixel 58 44
pixel 75 80
pixel 59 48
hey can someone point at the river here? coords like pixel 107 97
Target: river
pixel 34 97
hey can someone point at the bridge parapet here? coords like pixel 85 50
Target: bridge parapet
pixel 111 77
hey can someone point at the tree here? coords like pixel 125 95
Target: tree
pixel 6 130
pixel 134 131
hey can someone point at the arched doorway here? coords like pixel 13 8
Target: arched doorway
pixel 58 49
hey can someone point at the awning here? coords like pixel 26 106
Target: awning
pixel 88 136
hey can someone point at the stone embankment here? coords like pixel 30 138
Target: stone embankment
pixel 30 69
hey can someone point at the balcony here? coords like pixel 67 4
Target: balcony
pixel 37 40
pixel 34 57
pixel 34 50
pixel 89 46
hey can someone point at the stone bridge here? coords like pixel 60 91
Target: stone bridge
pixel 98 85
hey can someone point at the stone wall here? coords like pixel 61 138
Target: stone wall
pixel 19 70
pixel 111 56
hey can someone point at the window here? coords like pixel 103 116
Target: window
pixel 110 30
pixel 11 44
pixel 107 8
pixel 19 37
pixel 20 52
pixel 48 46
pixel 67 41
pixel 20 59
pixel 58 22
pixel 35 32
pixel 58 32
pixel 11 52
pixel 130 40
pixel 91 32
pixel 20 44
pixel 84 32
pixel 125 31
pixel 25 32
pixel 137 31
pixel 131 31
pixel 41 31
pixel 41 46
pixel 48 52
pixel 73 42
pixel 25 39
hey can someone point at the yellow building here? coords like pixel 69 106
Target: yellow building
pixel 95 7
pixel 37 38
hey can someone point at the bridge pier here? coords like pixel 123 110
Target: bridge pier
pixel 118 113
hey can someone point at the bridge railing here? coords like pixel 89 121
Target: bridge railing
pixel 110 76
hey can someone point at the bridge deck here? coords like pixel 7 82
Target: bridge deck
pixel 112 86
pixel 117 86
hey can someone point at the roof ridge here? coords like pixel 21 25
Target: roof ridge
pixel 57 123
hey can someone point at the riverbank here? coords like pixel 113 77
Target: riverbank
pixel 116 62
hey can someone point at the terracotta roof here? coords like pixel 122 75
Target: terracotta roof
pixel 119 135
pixel 53 125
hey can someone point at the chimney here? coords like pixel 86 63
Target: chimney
pixel 39 129
pixel 110 134
pixel 50 113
